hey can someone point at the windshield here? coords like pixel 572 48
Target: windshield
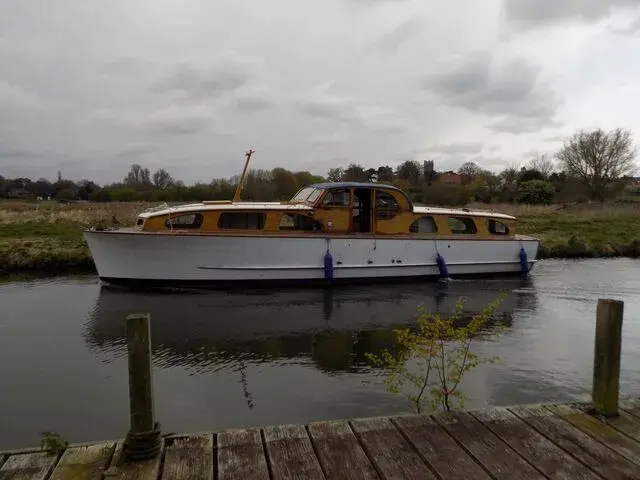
pixel 303 194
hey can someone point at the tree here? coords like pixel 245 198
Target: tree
pixel 305 179
pixel 486 186
pixel 535 192
pixel 162 179
pixel 372 174
pixel 468 172
pixel 138 176
pixel 385 174
pixel 528 174
pixel 355 173
pixel 409 170
pixel 285 182
pixel 86 188
pixel 542 164
pixel 335 174
pixel 598 158
pixel 433 360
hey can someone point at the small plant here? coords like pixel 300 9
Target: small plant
pixel 432 360
pixel 52 443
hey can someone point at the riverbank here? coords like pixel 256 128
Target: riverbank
pixel 47 236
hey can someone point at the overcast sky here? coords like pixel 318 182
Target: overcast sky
pixel 90 87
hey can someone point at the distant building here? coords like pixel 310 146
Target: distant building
pixel 450 177
pixel 19 193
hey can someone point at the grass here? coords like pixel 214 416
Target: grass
pixel 581 230
pixel 47 236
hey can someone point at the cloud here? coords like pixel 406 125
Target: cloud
pixel 631 27
pixel 133 151
pixel 253 99
pixel 196 83
pixel 511 90
pixel 13 153
pixel 540 13
pixel 320 104
pixel 456 148
pixel 391 41
pixel 178 121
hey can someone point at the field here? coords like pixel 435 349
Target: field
pixel 46 236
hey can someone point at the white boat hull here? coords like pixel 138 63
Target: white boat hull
pixel 133 257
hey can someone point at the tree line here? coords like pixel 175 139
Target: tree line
pixel 591 165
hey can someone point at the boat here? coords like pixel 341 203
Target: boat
pixel 326 233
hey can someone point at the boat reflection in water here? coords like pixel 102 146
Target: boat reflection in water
pixel 331 329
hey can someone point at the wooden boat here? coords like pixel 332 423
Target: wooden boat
pixel 328 232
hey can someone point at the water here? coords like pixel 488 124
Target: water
pixel 236 359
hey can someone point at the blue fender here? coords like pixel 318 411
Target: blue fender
pixel 328 266
pixel 442 266
pixel 524 262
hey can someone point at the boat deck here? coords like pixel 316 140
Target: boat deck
pixel 524 442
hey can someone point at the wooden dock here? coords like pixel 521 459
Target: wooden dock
pixel 526 442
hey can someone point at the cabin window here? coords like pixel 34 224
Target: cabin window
pixel 191 220
pixel 314 195
pixel 497 228
pixel 462 225
pixel 303 194
pixel 337 198
pixel 386 205
pixel 242 220
pixel 296 221
pixel 424 225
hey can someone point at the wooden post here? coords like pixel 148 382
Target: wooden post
pixel 143 438
pixel 606 363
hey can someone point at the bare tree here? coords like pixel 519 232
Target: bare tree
pixel 598 158
pixel 468 171
pixel 138 176
pixel 543 164
pixel 162 179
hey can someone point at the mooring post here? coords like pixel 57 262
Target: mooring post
pixel 143 439
pixel 606 362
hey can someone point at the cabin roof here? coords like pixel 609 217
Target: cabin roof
pixel 203 207
pixel 461 212
pixel 327 185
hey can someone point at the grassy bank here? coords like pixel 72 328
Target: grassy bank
pixel 47 236
pixel 579 231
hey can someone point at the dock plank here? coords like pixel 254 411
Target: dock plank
pixel 436 446
pixel 583 447
pixel 486 447
pixel 120 469
pixel 84 463
pixel 340 454
pixel 241 455
pixel 28 466
pixel 189 457
pixel 392 455
pixel 539 451
pixel 631 405
pixel 602 432
pixel 627 424
pixel 291 454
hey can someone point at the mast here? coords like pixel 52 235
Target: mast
pixel 236 196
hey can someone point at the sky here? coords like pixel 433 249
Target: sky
pixel 90 87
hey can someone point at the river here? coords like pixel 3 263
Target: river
pixel 226 359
